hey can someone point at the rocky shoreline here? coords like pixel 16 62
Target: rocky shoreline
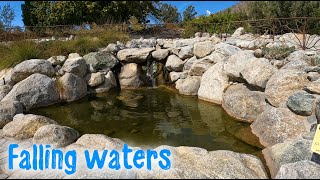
pixel 278 96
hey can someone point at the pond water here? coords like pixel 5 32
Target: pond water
pixel 153 117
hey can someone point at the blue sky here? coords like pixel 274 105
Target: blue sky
pixel 201 7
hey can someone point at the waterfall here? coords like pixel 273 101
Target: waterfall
pixel 152 68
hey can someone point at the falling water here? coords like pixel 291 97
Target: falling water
pixel 152 69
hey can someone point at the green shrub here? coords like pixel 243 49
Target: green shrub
pixel 278 53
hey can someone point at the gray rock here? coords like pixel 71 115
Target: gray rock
pixel 258 72
pixel 174 63
pixel 299 170
pixel 4 90
pixel 189 62
pixel 317 110
pixel 202 49
pixel 312 69
pixel 57 60
pixel 129 76
pixel 185 52
pixel 226 49
pixel 76 66
pixel 313 76
pixel 296 64
pixel 238 32
pixel 297 55
pixel 313 87
pixel 287 152
pixel 237 62
pixel 160 54
pixel 190 85
pixel 109 82
pixel 73 55
pixel 134 55
pixel 35 91
pixel 258 53
pixel 213 84
pixel 99 141
pixel 101 60
pixel 284 83
pixel 95 79
pixel 71 87
pixel 55 135
pixel 202 65
pixel 275 125
pixel 174 76
pixel 112 48
pixel 243 104
pixel 29 67
pixel 301 103
pixel 8 109
pixel 25 126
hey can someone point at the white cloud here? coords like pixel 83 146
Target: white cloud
pixel 208 12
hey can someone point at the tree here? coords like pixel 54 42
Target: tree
pixel 189 13
pixel 79 12
pixel 168 13
pixel 6 15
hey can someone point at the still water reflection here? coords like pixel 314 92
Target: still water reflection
pixel 154 117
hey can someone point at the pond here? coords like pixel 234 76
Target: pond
pixel 155 116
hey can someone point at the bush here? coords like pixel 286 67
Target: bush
pixel 19 51
pixel 278 53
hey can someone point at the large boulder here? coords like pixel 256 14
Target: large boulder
pixel 287 152
pixel 101 60
pixel 76 66
pixel 185 52
pixel 243 104
pixel 258 72
pixel 129 76
pixel 275 125
pixel 190 85
pixel 226 49
pixel 213 84
pixel 95 79
pixel 160 54
pixel 29 67
pixel 284 83
pixel 25 126
pixel 203 64
pixel 174 63
pixel 301 103
pixel 305 169
pixel 197 163
pixel 4 90
pixel 134 55
pixel 57 60
pixel 238 32
pixel 237 62
pixel 35 91
pixel 71 87
pixel 202 49
pixel 98 141
pixel 296 64
pixel 55 135
pixel 109 82
pixel 8 109
pixel 189 62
